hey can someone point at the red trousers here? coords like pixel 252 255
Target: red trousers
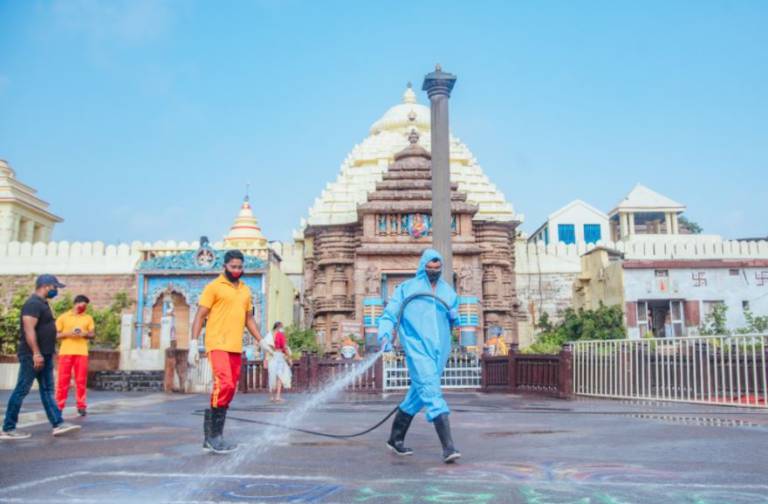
pixel 225 367
pixel 67 365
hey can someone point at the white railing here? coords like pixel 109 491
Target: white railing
pixel 725 370
pixel 462 371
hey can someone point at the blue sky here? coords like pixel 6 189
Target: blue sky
pixel 145 119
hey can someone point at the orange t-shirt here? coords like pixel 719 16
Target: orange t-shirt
pixel 229 305
pixel 67 323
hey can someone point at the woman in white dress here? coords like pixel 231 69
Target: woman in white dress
pixel 277 358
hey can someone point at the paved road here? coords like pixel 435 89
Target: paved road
pixel 146 448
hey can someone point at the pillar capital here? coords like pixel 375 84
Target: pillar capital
pixel 438 83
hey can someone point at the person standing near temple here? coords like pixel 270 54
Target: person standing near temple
pixel 425 335
pixel 74 329
pixel 37 346
pixel 277 358
pixel 226 304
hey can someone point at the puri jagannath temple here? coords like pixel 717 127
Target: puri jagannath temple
pixel 365 233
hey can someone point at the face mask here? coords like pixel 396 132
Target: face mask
pixel 80 309
pixel 233 275
pixel 434 276
pixel 52 293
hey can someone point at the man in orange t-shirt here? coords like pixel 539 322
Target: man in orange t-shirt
pixel 73 329
pixel 227 306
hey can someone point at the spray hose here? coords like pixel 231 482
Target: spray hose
pixel 405 303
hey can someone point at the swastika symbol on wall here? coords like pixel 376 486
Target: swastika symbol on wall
pixel 699 279
pixel 762 278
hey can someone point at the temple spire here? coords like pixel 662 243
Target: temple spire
pixel 245 232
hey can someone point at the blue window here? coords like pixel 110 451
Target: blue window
pixel 546 235
pixel 566 233
pixel 592 233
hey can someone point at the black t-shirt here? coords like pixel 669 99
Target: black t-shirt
pixel 45 329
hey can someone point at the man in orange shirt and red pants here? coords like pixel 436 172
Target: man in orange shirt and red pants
pixel 227 305
pixel 74 328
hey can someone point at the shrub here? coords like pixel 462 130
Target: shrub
pixel 604 323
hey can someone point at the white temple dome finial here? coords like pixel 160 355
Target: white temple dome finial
pixel 405 116
pixel 245 232
pixel 409 96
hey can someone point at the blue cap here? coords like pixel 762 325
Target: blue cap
pixel 48 280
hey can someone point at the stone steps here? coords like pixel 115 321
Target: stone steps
pixel 127 381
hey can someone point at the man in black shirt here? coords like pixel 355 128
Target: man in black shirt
pixel 37 346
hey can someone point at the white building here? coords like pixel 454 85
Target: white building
pixel 645 212
pixel 576 222
pixel 23 216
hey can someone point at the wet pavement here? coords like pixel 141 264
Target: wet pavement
pixel 146 448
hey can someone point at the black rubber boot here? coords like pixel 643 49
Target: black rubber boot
pixel 399 427
pixel 207 428
pixel 216 442
pixel 443 428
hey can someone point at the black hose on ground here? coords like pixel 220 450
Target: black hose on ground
pixel 371 429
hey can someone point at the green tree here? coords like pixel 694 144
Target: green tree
pixel 604 323
pixel 715 321
pixel 10 327
pixel 691 226
pixel 302 340
pixel 108 321
pixel 755 324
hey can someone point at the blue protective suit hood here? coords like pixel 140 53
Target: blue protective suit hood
pixel 427 257
pixel 425 335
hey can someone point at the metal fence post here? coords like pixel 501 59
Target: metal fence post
pixel 512 368
pixel 379 374
pixel 170 368
pixel 565 385
pixel 244 373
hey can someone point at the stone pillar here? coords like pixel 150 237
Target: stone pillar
pixel 27 232
pixel 623 227
pixel 668 222
pixel 126 332
pixel 16 230
pixel 438 86
pixel 7 226
pixel 675 224
pixel 631 221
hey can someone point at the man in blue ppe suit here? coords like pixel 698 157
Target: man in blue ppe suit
pixel 425 335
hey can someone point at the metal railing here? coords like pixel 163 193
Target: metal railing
pixel 462 371
pixel 727 370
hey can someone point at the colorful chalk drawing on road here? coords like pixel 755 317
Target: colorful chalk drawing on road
pixel 432 494
pixel 133 487
pixel 124 487
pixel 550 471
pixel 637 494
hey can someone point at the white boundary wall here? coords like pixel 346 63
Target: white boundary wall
pixel 87 258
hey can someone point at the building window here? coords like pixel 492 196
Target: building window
pixel 734 272
pixel 662 273
pixel 546 235
pixel 566 233
pixel 592 233
pixel 745 306
pixel 709 307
